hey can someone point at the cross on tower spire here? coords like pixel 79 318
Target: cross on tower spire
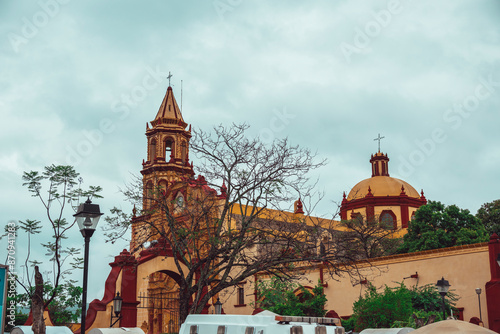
pixel 168 77
pixel 379 139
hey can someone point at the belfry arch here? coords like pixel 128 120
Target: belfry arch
pixel 169 145
pixel 152 150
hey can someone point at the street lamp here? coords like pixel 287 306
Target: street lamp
pixel 478 291
pixel 218 306
pixel 443 286
pixel 87 217
pixel 116 309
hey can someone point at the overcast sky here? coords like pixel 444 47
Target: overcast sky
pixel 80 79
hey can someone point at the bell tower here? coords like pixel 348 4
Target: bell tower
pixel 167 148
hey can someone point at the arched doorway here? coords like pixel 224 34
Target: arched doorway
pixel 162 302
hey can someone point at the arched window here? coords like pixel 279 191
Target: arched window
pixel 148 196
pixel 152 150
pixel 300 293
pixel 169 148
pixel 184 152
pixel 388 219
pixel 241 294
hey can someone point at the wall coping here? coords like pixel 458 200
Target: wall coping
pixel 406 257
pixel 427 254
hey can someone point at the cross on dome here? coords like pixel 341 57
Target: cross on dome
pixel 379 139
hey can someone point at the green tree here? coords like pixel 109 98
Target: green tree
pixel 64 309
pixel 381 310
pixel 489 215
pixel 58 189
pixel 427 298
pixel 279 296
pixel 438 226
pixel 397 307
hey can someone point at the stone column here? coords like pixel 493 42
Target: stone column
pixel 493 286
pixel 128 289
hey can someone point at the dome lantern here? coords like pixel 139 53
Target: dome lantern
pixel 380 164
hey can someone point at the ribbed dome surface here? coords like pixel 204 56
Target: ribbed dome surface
pixel 382 186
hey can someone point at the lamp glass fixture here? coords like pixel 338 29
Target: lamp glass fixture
pixel 88 215
pixel 443 286
pixel 218 306
pixel 117 304
pixel 478 291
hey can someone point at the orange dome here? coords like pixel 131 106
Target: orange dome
pixel 382 186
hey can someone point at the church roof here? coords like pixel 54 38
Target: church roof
pixel 382 186
pixel 169 110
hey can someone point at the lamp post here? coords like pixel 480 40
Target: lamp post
pixel 87 217
pixel 117 308
pixel 443 286
pixel 478 291
pixel 218 306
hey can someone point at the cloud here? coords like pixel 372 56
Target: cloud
pixel 74 91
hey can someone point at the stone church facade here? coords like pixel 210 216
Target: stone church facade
pixel 146 275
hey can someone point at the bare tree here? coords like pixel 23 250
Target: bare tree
pixel 219 239
pixel 370 238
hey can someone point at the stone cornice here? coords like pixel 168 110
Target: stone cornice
pixel 428 254
pixel 400 258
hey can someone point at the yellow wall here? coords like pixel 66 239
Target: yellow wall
pixel 465 267
pixel 102 318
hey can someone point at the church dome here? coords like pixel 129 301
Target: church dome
pixel 382 186
pixel 382 196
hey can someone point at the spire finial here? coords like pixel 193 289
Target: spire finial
pixel 168 77
pixel 379 139
pixel 369 192
pixel 298 207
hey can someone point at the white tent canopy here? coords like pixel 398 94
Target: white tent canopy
pixel 48 330
pixel 121 330
pixel 403 330
pixel 452 326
